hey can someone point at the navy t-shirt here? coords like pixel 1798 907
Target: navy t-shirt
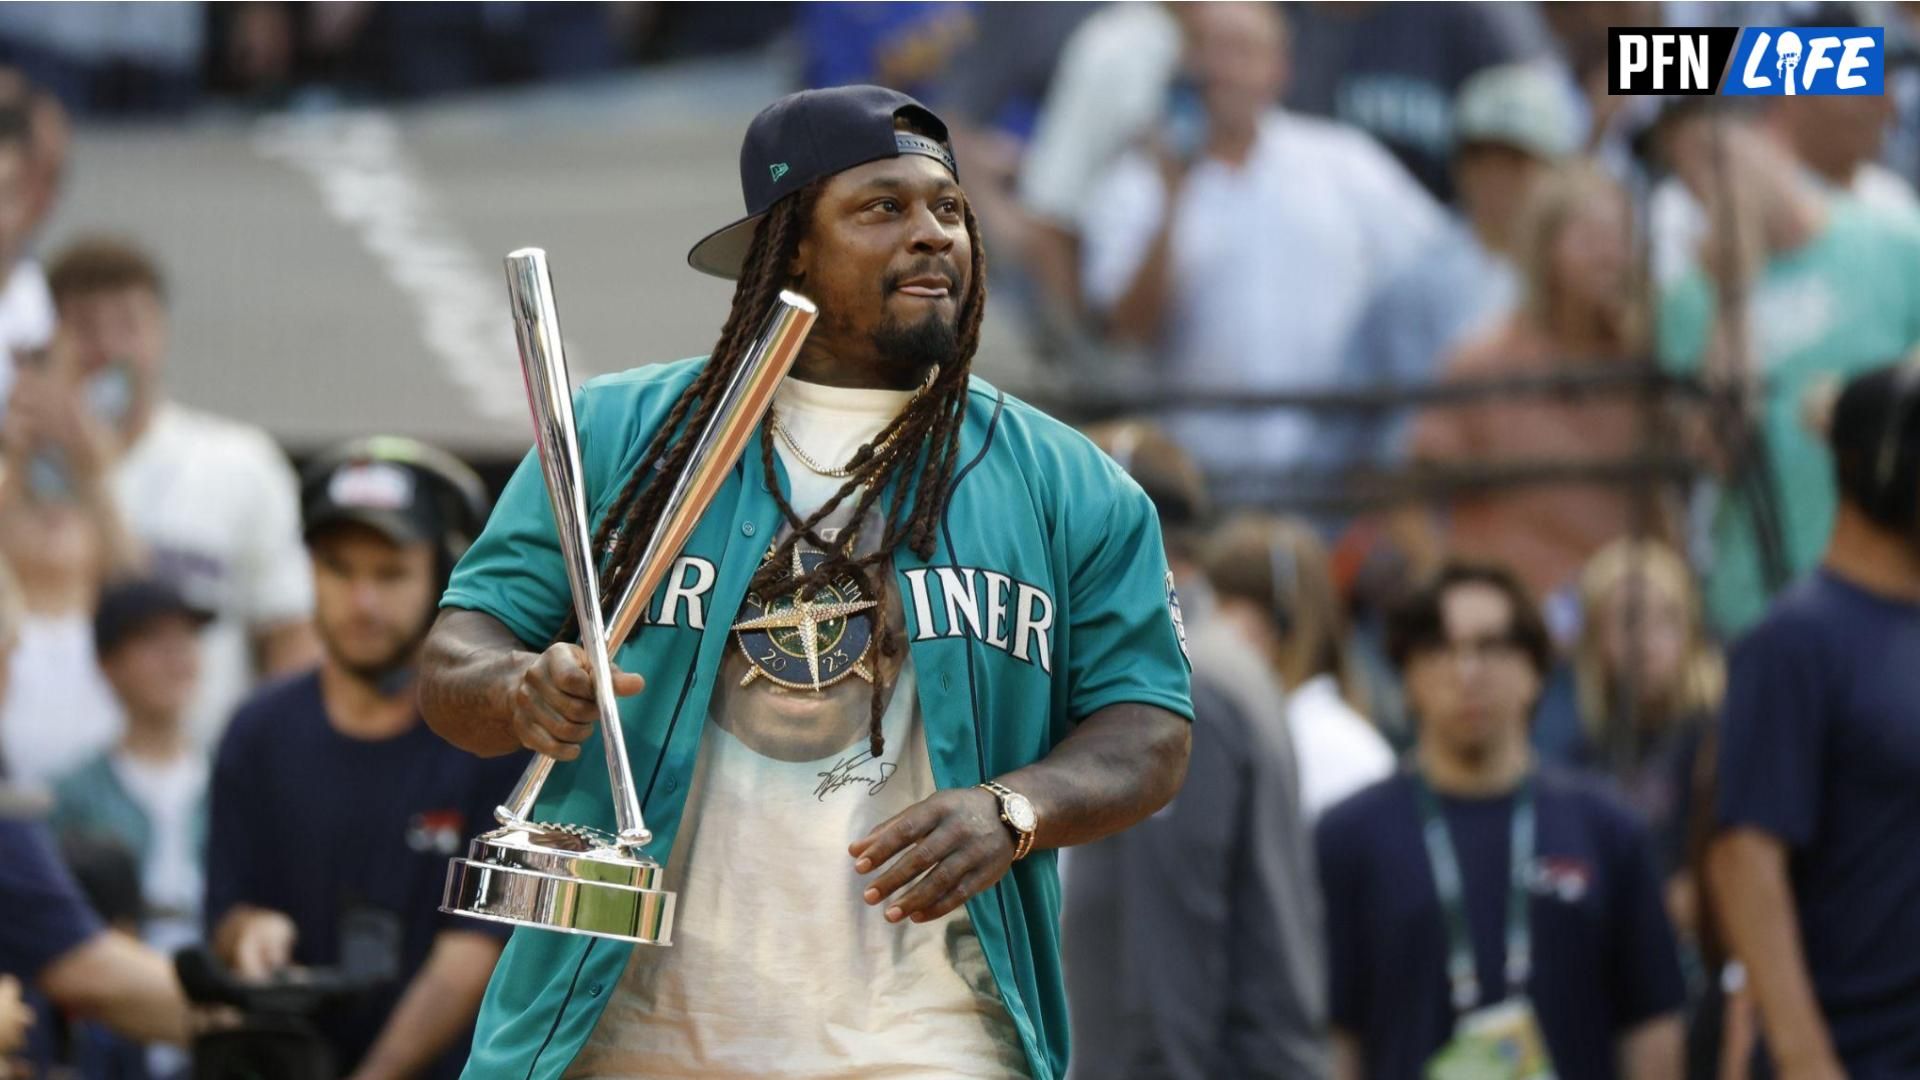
pixel 46 916
pixel 1820 747
pixel 328 828
pixel 1604 957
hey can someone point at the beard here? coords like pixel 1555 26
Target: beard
pixel 390 669
pixel 933 341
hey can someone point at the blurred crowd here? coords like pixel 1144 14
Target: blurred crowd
pixel 1485 413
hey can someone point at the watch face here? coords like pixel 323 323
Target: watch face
pixel 1020 813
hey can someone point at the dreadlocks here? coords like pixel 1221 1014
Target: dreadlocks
pixel 909 463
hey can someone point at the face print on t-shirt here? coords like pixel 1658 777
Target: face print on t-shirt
pixel 779 653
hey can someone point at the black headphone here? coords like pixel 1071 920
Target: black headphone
pixel 1894 498
pixel 458 495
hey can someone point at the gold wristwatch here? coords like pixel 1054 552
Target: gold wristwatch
pixel 1018 813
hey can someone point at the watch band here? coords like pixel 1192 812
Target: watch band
pixel 1022 838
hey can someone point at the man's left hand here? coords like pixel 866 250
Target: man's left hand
pixel 954 837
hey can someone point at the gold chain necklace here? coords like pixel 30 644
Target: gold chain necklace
pixel 844 471
pixel 839 473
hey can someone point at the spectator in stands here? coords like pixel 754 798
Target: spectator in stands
pixel 1635 702
pixel 143 58
pixel 213 500
pixel 62 533
pixel 26 309
pixel 1487 917
pixel 1395 70
pixel 1579 311
pixel 49 134
pixel 1275 589
pixel 1794 290
pixel 150 791
pixel 1834 140
pixel 51 942
pixel 1243 246
pixel 1107 93
pixel 1838 140
pixel 1813 871
pixel 906 46
pixel 1511 124
pixel 334 808
pixel 1193 940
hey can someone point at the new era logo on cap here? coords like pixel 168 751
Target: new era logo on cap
pixel 813 134
pixel 373 485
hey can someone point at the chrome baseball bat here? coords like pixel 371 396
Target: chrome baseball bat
pixel 743 402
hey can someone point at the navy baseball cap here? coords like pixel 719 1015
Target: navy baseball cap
pixel 805 136
pixel 128 607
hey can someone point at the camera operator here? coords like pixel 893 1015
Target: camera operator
pixel 334 808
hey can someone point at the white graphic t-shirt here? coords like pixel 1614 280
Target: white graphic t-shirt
pixel 779 968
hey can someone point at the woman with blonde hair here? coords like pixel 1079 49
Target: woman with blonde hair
pixel 1272 583
pixel 1638 695
pixel 1581 309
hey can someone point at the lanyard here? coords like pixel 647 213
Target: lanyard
pixel 1461 973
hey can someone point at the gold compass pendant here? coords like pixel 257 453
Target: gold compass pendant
pixel 811 642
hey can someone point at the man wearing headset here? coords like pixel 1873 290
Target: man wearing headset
pixel 334 808
pixel 1813 871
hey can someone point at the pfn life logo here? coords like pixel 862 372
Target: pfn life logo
pixel 1746 61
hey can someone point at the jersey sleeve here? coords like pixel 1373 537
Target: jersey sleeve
pixel 514 571
pixel 1124 638
pixel 46 915
pixel 1773 734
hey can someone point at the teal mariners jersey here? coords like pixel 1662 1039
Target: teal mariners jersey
pixel 1047 597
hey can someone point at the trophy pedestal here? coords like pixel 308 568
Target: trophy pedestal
pixel 567 878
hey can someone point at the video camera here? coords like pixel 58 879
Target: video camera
pixel 277 1038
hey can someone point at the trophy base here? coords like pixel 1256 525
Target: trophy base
pixel 567 878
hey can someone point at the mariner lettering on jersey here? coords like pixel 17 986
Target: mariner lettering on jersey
pixel 986 605
pixel 942 601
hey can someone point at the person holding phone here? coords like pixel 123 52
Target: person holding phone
pixel 213 500
pixel 1239 246
pixel 62 533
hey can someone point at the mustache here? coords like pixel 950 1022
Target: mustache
pixel 928 267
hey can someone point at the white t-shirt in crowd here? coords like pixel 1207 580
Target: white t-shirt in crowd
pixel 26 317
pixel 59 711
pixel 778 966
pixel 170 794
pixel 1338 751
pixel 1109 87
pixel 217 505
pixel 1272 262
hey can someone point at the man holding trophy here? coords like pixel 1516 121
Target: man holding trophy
pixel 915 639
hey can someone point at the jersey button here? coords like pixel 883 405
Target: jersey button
pixel 672 785
pixel 594 990
pixel 746 528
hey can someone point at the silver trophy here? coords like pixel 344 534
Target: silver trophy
pixel 574 878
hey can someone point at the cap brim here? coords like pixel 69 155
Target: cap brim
pixel 392 524
pixel 723 253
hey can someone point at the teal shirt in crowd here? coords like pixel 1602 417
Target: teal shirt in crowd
pixel 1046 598
pixel 1846 302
